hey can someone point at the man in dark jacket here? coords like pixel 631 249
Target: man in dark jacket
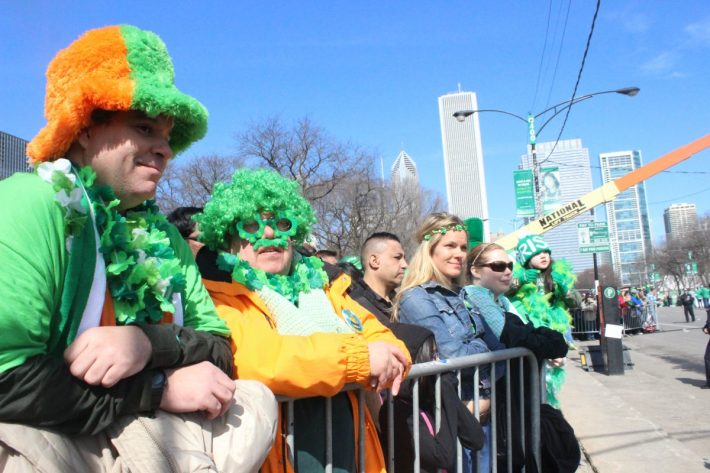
pixel 383 265
pixel 688 302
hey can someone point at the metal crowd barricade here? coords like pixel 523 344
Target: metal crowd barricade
pixel 583 323
pixel 528 375
pixel 634 318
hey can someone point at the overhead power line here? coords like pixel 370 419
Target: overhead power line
pixel 579 77
pixel 542 56
pixel 675 199
pixel 559 53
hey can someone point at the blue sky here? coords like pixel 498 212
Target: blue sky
pixel 371 72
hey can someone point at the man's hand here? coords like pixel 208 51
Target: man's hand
pixel 200 387
pixel 387 365
pixel 105 355
pixel 705 329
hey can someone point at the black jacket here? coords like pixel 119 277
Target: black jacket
pixel 545 344
pixel 435 451
pixel 361 293
pixel 43 393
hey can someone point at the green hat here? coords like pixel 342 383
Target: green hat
pixel 529 246
pixel 114 68
pixel 474 228
pixel 354 260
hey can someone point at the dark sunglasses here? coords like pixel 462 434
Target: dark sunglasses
pixel 499 266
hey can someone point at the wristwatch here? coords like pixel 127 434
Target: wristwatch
pixel 156 388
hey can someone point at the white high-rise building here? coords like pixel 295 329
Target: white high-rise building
pixel 629 226
pixel 575 181
pixel 680 219
pixel 463 158
pixel 404 170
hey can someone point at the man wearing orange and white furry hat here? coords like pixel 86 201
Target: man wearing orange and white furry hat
pixel 112 356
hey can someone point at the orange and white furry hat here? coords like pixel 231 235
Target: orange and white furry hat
pixel 114 68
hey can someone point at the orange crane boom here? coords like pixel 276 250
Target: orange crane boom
pixel 605 193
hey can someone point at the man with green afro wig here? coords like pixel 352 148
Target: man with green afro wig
pixel 294 326
pixel 237 204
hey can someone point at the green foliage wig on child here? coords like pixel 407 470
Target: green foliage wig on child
pixel 252 192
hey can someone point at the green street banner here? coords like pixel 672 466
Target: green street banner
pixel 524 193
pixel 550 189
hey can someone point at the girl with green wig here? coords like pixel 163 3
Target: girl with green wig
pixel 294 328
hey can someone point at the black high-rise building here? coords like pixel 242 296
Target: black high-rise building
pixel 13 156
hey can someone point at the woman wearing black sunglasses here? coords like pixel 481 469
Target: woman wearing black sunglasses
pixel 490 273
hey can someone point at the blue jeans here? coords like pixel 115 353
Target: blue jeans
pixel 469 457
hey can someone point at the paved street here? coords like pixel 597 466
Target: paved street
pixel 654 418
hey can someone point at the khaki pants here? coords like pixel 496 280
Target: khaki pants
pixel 235 442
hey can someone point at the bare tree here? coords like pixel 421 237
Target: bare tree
pixel 350 201
pixel 672 259
pixel 361 205
pixel 303 152
pixel 352 211
pixel 607 277
pixel 407 208
pixel 190 183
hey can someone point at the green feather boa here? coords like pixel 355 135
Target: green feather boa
pixel 547 310
pixel 306 273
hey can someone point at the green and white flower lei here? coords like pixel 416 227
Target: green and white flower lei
pixel 306 273
pixel 142 270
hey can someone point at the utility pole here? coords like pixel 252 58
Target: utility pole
pixel 532 140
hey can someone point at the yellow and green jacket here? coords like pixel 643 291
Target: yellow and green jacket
pixel 320 364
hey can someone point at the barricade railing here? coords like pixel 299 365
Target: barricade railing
pixel 584 322
pixel 499 363
pixel 634 318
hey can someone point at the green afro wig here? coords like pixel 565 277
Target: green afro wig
pixel 251 192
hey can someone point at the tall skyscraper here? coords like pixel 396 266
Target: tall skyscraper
pixel 575 181
pixel 12 155
pixel 404 170
pixel 680 219
pixel 629 226
pixel 463 158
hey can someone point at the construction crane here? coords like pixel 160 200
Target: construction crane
pixel 605 193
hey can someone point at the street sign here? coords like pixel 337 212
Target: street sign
pixel 691 268
pixel 532 138
pixel 593 237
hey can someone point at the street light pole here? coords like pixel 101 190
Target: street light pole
pixel 532 132
pixel 532 140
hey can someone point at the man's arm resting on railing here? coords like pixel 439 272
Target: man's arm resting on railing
pixel 43 393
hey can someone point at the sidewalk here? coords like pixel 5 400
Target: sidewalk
pixel 621 433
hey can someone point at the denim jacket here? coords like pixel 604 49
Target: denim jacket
pixel 458 330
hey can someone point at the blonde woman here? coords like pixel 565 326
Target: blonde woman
pixel 431 296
